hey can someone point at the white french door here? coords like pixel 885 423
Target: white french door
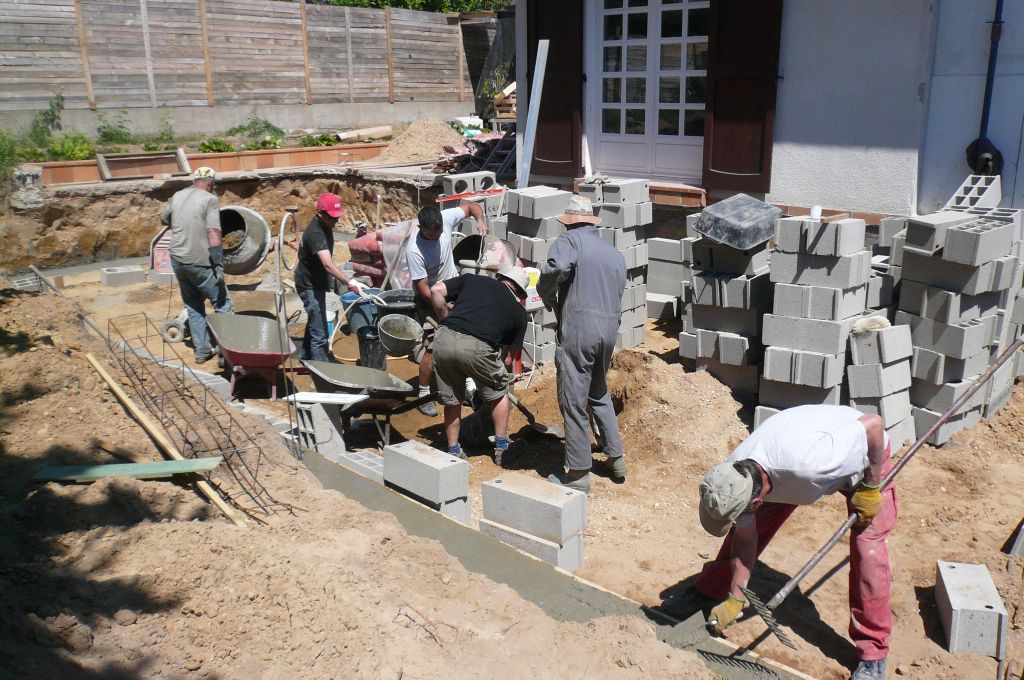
pixel 646 63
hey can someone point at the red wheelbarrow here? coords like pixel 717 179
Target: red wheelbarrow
pixel 251 345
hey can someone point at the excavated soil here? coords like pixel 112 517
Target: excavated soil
pixel 423 141
pixel 130 579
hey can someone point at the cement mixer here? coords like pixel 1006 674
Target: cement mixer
pixel 246 239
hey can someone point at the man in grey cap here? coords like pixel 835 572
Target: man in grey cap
pixel 794 458
pixel 197 256
pixel 481 318
pixel 582 280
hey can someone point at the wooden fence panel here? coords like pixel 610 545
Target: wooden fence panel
pixel 117 54
pixel 369 55
pixel 426 57
pixel 39 55
pixel 176 41
pixel 328 53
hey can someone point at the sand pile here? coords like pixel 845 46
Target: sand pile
pixel 424 140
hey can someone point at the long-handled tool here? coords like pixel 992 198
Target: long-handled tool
pixel 764 610
pixel 541 428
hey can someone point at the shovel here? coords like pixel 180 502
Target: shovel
pixel 540 428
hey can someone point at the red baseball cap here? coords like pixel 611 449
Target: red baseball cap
pixel 330 204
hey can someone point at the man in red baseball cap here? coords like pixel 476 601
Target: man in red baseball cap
pixel 313 272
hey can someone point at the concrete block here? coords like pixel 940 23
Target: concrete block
pixel 1018 311
pixel 763 413
pixel 841 237
pixel 783 395
pixel 691 226
pixel 688 345
pixel 540 335
pixel 425 472
pixel 491 205
pixel 971 610
pixel 643 213
pixel 662 306
pixel 959 278
pixel 634 317
pixel 536 249
pixel 728 348
pixel 627 338
pixel 893 408
pixel 673 271
pixel 122 276
pixel 543 353
pixel 937 368
pixel 161 277
pixel 924 419
pixel 880 290
pixel 803 368
pixel 568 556
pixel 810 335
pixel 888 227
pixel 791 233
pixel 466 182
pixel 745 291
pixel 977 191
pixel 727 319
pixel 544 228
pixel 616 216
pixel 978 242
pixel 535 506
pixel 896 250
pixel 365 463
pixel 878 380
pixel 955 340
pixel 926 234
pixel 845 271
pixel 623 238
pixel 881 347
pixel 595 192
pixel 940 398
pixel 665 249
pixel 737 378
pixel 623 191
pixel 499 227
pixel 458 509
pixel 945 306
pixel 665 286
pixel 901 434
pixel 816 302
pixel 537 201
pixel 710 256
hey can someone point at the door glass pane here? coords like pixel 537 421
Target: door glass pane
pixel 637 26
pixel 612 4
pixel 695 90
pixel 612 91
pixel 611 121
pixel 672 24
pixel 636 90
pixel 699 20
pixel 613 59
pixel 668 90
pixel 668 122
pixel 696 56
pixel 613 27
pixel 670 57
pixel 635 121
pixel 636 58
pixel 693 124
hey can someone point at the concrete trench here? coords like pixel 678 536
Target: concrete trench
pixel 559 594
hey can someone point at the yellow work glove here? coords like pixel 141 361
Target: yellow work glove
pixel 866 502
pixel 725 613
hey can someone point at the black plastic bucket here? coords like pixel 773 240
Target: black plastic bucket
pixel 398 301
pixel 371 352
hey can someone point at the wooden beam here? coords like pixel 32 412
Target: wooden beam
pixel 348 53
pixel 391 60
pixel 83 48
pixel 206 53
pixel 160 469
pixel 162 440
pixel 462 64
pixel 149 53
pixel 305 53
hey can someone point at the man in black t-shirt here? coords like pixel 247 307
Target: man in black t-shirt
pixel 485 318
pixel 313 275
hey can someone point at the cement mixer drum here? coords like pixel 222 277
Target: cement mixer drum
pixel 246 237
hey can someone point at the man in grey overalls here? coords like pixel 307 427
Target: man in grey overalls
pixel 583 279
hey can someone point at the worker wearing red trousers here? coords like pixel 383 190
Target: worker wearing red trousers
pixel 794 458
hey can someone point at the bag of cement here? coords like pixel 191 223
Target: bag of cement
pixel 739 221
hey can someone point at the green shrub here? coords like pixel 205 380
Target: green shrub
pixel 71 146
pixel 255 127
pixel 214 145
pixel 165 135
pixel 148 146
pixel 268 142
pixel 46 122
pixel 326 139
pixel 113 131
pixel 8 153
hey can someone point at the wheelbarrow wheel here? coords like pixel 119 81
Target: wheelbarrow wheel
pixel 173 331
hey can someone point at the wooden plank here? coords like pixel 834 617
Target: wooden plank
pixel 149 54
pixel 155 470
pixel 348 52
pixel 391 65
pixel 206 52
pixel 305 53
pixel 85 55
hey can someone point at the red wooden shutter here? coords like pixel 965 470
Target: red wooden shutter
pixel 743 64
pixel 558 147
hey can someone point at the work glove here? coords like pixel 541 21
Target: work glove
pixel 725 613
pixel 866 502
pixel 356 287
pixel 217 262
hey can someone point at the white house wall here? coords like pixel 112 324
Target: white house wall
pixel 850 108
pixel 958 85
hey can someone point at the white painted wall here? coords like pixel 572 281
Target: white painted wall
pixel 850 109
pixel 958 85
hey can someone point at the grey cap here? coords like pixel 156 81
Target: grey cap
pixel 724 495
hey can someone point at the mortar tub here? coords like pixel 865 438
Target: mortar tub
pixel 328 377
pixel 248 254
pixel 251 344
pixel 399 301
pixel 399 334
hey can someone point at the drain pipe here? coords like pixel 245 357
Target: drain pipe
pixel 983 158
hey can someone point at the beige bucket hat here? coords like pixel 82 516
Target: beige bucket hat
pixel 579 211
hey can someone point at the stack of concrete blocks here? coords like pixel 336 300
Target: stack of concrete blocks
pixel 666 273
pixel 821 272
pixel 879 379
pixel 531 226
pixel 540 518
pixel 625 209
pixel 885 240
pixel 961 278
pixel 436 479
pixel 725 293
pixel 971 610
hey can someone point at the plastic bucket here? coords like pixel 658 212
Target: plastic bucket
pixel 400 301
pixel 362 313
pixel 371 352
pixel 399 334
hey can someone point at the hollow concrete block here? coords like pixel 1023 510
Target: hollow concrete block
pixel 893 408
pixel 901 433
pixel 535 506
pixel 803 368
pixel 810 335
pixel 926 234
pixel 727 319
pixel 880 287
pixel 1018 311
pixel 662 306
pixel 896 250
pixel 614 216
pixel 738 378
pixel 426 472
pixel 545 227
pixel 844 271
pixel 623 238
pixel 161 277
pixel 727 348
pixel 467 181
pixel 595 192
pixel 924 419
pixel 643 213
pixel 839 237
pixel 707 255
pixel 537 201
pixel 122 276
pixel 888 227
pixel 960 278
pixel 763 413
pixel 817 302
pixel 878 380
pixel 623 191
pixel 970 608
pixel 671 271
pixel 937 368
pixel 959 340
pixel 688 345
pixel 882 346
pixel 783 395
pixel 665 249
pixel 567 556
pixel 978 242
pixel 943 305
pixel 940 398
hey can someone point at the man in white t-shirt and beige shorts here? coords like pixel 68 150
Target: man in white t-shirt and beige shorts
pixel 430 258
pixel 794 458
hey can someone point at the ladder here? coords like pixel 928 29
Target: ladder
pixel 501 160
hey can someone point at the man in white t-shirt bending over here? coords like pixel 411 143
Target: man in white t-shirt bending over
pixel 431 260
pixel 794 458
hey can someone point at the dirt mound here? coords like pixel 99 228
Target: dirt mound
pixel 424 140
